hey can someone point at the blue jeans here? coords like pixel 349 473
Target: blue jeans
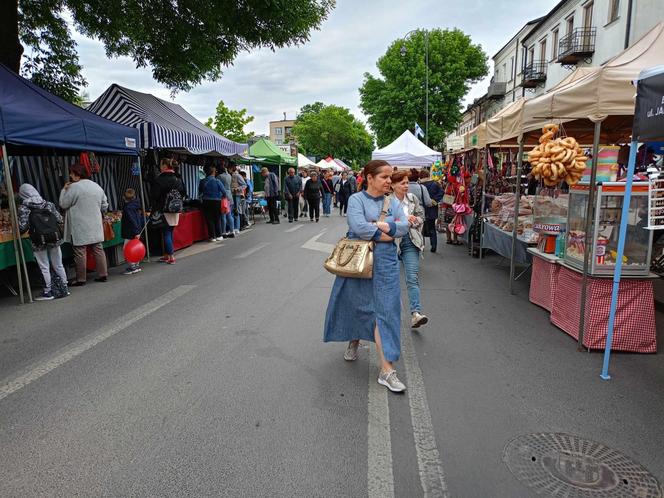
pixel 237 206
pixel 168 239
pixel 227 224
pixel 327 203
pixel 410 257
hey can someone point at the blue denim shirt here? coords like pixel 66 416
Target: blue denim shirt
pixel 364 210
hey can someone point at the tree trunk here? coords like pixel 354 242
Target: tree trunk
pixel 10 45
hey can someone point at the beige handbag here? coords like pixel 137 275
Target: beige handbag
pixel 354 258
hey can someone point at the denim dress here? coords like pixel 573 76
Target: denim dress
pixel 357 305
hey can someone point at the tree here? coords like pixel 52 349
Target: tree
pixel 230 123
pixel 330 130
pixel 395 101
pixel 183 42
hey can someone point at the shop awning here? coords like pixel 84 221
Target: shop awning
pixel 30 115
pixel 476 138
pixel 268 153
pixel 407 151
pixel 304 162
pixel 162 124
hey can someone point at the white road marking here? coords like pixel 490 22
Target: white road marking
pixel 296 227
pixel 380 478
pixel 432 477
pixel 313 244
pixel 79 347
pixel 251 251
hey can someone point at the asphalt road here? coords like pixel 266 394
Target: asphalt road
pixel 209 378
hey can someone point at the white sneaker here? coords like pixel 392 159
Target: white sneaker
pixel 391 381
pixel 418 319
pixel 236 232
pixel 351 351
pixel 213 239
pixel 220 238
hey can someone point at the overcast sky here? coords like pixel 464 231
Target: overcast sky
pixel 329 68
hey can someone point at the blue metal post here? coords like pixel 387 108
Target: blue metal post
pixel 621 249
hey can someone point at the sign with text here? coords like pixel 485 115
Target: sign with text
pixel 649 112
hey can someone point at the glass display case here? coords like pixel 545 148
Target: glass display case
pixel 604 240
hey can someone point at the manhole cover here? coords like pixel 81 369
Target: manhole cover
pixel 566 465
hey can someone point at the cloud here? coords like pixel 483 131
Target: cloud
pixel 330 67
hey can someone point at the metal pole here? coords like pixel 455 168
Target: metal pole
pixel 519 164
pixel 590 210
pixel 18 242
pixel 140 179
pixel 426 63
pixel 621 250
pixel 483 203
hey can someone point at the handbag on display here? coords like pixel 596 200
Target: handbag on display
pixel 354 258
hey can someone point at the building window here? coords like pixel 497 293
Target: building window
pixel 554 48
pixel 279 131
pixel 511 68
pixel 543 50
pixel 288 130
pixel 588 15
pixel 531 55
pixel 570 24
pixel 504 72
pixel 278 141
pixel 614 9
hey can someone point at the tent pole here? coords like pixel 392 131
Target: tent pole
pixel 140 180
pixel 590 213
pixel 519 164
pixel 483 203
pixel 18 242
pixel 621 250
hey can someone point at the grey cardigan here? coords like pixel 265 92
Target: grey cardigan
pixel 84 202
pixel 415 209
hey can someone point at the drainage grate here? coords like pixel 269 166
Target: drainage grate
pixel 565 465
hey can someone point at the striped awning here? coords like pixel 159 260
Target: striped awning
pixel 162 124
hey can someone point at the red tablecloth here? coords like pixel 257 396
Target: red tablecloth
pixel 635 315
pixel 191 228
pixel 543 282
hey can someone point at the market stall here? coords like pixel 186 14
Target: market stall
pixel 407 152
pixel 33 119
pixel 167 129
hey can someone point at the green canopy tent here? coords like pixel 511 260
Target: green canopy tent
pixel 265 153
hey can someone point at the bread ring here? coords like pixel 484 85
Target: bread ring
pixel 559 156
pixel 582 158
pixel 546 137
pixel 551 127
pixel 569 156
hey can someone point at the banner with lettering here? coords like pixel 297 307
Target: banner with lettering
pixel 649 112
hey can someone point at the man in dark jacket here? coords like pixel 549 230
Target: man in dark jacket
pixel 211 190
pixel 271 189
pixel 292 188
pixel 436 193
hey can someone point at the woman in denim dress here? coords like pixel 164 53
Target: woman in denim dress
pixel 370 309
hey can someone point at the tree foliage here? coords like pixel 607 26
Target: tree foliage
pixel 330 130
pixel 230 123
pixel 395 101
pixel 183 42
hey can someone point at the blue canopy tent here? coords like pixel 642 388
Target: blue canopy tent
pixel 648 127
pixel 30 116
pixel 165 125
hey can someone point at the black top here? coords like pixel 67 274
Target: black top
pixel 162 185
pixel 313 189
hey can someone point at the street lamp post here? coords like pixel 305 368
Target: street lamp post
pixel 426 79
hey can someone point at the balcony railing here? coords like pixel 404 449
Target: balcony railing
pixel 534 74
pixel 577 45
pixel 496 90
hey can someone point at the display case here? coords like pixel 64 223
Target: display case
pixel 604 240
pixel 549 217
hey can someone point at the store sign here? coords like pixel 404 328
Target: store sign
pixel 454 143
pixel 130 142
pixel 550 228
pixel 649 112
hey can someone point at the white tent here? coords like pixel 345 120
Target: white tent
pixel 304 162
pixel 325 164
pixel 407 152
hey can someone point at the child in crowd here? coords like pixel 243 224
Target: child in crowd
pixel 132 224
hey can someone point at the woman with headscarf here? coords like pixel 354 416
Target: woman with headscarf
pixel 313 191
pixel 85 203
pixel 42 221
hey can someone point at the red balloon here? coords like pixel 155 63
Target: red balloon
pixel 134 251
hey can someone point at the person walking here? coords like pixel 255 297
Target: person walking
pixel 166 189
pixel 411 244
pixel 132 224
pixel 370 309
pixel 85 204
pixel 304 207
pixel 292 189
pixel 227 221
pixel 42 221
pixel 313 192
pixel 431 212
pixel 211 190
pixel 336 178
pixel 248 198
pixel 271 194
pixel 328 192
pixel 344 191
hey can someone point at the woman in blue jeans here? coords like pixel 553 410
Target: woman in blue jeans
pixel 411 245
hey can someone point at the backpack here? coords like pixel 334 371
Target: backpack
pixel 173 202
pixel 43 227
